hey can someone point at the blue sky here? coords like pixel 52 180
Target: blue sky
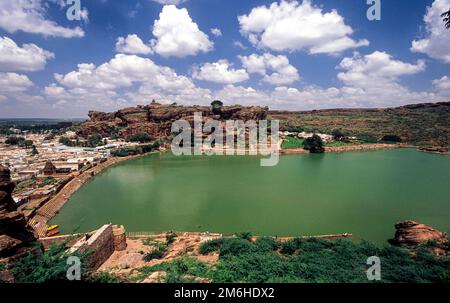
pixel 293 55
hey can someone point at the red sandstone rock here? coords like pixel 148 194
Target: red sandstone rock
pixel 156 119
pixel 411 233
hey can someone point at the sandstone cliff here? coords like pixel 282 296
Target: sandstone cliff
pixel 15 234
pixel 156 119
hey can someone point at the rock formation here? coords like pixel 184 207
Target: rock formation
pixel 411 233
pixel 156 119
pixel 15 234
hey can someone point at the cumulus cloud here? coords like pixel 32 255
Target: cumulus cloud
pixel 220 72
pixel 124 80
pixel 216 32
pixel 378 69
pixel 294 26
pixel 29 57
pixel 29 16
pixel 13 83
pixel 442 85
pixel 282 71
pixel 132 44
pixel 177 35
pixel 436 42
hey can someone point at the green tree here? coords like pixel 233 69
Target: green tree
pixel 141 138
pixel 216 107
pixel 391 138
pixel 14 140
pixel 337 134
pixel 314 144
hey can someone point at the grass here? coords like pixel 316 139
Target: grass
pixel 292 142
pixel 340 144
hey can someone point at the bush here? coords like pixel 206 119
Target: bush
pixel 48 266
pixel 337 134
pixel 141 137
pixel 13 140
pixel 154 254
pixel 245 235
pixel 314 144
pixel 210 246
pixel 235 247
pixel 266 244
pixel 391 138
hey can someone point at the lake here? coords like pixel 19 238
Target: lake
pixel 363 193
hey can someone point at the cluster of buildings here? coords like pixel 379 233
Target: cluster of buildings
pixel 38 175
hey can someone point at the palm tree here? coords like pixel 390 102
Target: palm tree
pixel 446 17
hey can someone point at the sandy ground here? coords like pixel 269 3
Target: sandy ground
pixel 127 262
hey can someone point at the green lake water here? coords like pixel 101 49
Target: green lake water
pixel 363 193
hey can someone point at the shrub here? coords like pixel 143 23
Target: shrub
pixel 235 247
pixel 245 235
pixel 210 246
pixel 337 134
pixel 13 140
pixel 314 144
pixel 391 138
pixel 154 254
pixel 141 137
pixel 266 244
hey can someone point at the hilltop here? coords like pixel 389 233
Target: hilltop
pixel 420 124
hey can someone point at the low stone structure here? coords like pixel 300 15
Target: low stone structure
pixel 120 238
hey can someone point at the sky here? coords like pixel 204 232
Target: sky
pixel 291 55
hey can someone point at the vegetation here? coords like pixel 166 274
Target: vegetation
pixel 217 107
pixel 161 248
pixel 92 141
pixel 337 134
pixel 39 267
pixel 421 124
pixel 391 138
pixel 138 150
pixel 316 260
pixel 292 142
pixel 314 144
pixel 142 138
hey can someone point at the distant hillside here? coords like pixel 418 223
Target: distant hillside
pixel 421 124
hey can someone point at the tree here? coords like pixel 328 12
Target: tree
pixel 337 134
pixel 216 106
pixel 314 144
pixel 391 138
pixel 446 17
pixel 13 140
pixel 34 151
pixel 141 138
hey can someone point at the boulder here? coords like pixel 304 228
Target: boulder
pixel 411 233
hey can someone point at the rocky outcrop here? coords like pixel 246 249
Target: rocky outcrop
pixel 16 235
pixel 156 119
pixel 411 233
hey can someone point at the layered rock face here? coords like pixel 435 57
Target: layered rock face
pixel 156 119
pixel 15 234
pixel 411 233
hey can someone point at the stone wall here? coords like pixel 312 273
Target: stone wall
pixel 99 246
pixel 120 239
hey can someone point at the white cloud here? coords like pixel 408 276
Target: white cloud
pixel 177 35
pixel 124 80
pixel 294 26
pixel 220 72
pixel 378 69
pixel 282 71
pixel 29 16
pixel 442 86
pixel 132 44
pixel 29 57
pixel 167 2
pixel 14 83
pixel 216 32
pixel 436 42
